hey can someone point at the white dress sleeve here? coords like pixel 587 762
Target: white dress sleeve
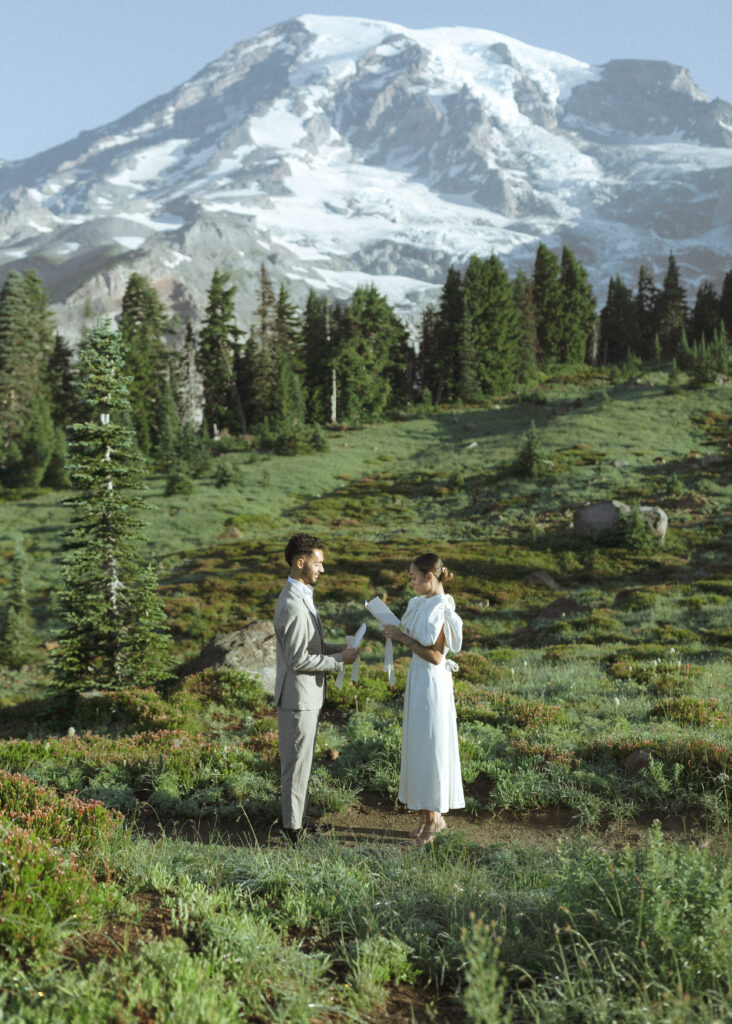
pixel 440 615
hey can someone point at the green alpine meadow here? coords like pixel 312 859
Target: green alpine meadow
pixel 573 469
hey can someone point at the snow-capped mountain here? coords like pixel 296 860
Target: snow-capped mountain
pixel 342 151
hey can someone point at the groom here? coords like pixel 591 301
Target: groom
pixel 303 658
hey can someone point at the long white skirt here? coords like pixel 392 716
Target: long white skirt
pixel 430 777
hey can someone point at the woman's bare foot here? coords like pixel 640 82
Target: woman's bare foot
pixel 434 823
pixel 422 825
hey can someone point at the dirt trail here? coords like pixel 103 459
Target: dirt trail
pixel 376 822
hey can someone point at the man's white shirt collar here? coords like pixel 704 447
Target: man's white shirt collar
pixel 306 590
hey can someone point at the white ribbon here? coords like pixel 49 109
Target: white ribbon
pixel 383 614
pixel 451 666
pixel 389 661
pixel 351 641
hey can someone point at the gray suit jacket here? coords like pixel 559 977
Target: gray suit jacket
pixel 303 657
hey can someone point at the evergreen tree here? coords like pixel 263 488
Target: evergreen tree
pixel 494 323
pixel 316 344
pixel 428 358
pixel 18 635
pixel 530 460
pixel 467 387
pixel 26 340
pixel 725 303
pixel 61 384
pixel 168 448
pixel 578 309
pixel 671 309
pixel 619 329
pixel 143 324
pixel 107 598
pixel 548 306
pixel 188 379
pixel 370 345
pixel 449 335
pixel 646 301
pixel 705 317
pixel 523 298
pixel 222 407
pixel 262 353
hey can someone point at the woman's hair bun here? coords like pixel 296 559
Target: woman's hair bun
pixel 445 574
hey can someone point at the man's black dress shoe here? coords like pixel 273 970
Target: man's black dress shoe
pixel 310 828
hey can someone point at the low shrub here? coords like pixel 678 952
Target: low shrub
pixel 691 710
pixel 496 707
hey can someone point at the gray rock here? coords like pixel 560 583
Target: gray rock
pixel 603 517
pixel 656 518
pixel 252 649
pixel 600 517
pixel 621 464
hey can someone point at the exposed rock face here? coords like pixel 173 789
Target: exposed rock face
pixel 344 150
pixel 252 649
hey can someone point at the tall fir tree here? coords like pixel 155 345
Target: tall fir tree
pixel 319 357
pixel 188 384
pixel 370 361
pixel 219 337
pixel 548 306
pixel 523 299
pixel 428 354
pixel 725 303
pixel 705 317
pixel 263 354
pixel 671 308
pixel 578 309
pixel 62 385
pixel 619 329
pixel 448 337
pixel 114 635
pixel 26 340
pixel 494 322
pixel 143 325
pixel 646 301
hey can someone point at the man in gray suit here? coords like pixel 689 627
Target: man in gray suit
pixel 303 658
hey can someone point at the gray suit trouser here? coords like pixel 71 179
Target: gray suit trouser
pixel 297 731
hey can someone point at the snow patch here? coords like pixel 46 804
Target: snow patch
pixel 148 164
pixel 130 241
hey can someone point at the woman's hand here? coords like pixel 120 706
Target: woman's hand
pixel 394 633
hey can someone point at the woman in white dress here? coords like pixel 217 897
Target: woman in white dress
pixel 430 779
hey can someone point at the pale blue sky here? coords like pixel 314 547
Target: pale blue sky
pixel 75 65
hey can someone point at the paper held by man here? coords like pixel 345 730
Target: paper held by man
pixel 383 614
pixel 351 641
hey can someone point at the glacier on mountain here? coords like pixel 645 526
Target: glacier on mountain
pixel 343 151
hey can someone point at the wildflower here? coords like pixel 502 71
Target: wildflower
pixel 616 701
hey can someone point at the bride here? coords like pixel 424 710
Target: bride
pixel 430 779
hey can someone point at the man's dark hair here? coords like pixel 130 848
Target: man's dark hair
pixel 301 544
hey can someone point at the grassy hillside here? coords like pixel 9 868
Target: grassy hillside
pixel 611 714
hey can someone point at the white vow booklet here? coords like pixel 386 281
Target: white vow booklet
pixel 383 614
pixel 351 641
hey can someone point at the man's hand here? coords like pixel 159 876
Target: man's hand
pixel 349 655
